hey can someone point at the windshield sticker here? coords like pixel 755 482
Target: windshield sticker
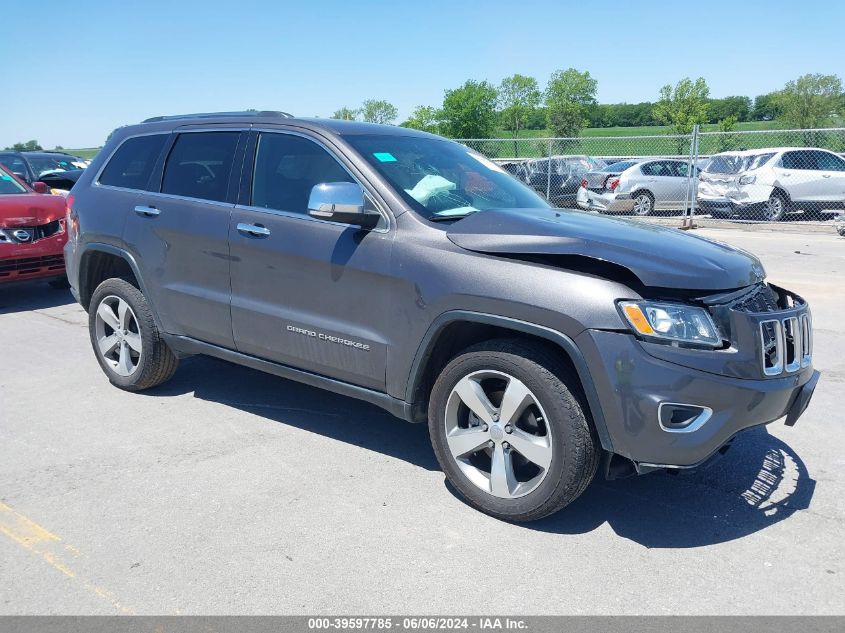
pixel 5 177
pixel 384 157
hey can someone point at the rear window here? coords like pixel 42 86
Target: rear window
pixel 619 167
pixel 735 163
pixel 131 165
pixel 200 164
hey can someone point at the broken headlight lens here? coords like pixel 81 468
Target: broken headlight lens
pixel 672 322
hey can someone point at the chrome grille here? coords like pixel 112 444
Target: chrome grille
pixel 787 344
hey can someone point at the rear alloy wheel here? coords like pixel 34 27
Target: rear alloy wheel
pixel 125 338
pixel 509 432
pixel 775 208
pixel 643 203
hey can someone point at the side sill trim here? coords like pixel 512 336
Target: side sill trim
pixel 394 406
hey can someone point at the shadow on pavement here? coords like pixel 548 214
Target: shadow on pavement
pixel 759 482
pixel 303 407
pixel 35 295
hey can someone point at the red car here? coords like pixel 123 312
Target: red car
pixel 32 232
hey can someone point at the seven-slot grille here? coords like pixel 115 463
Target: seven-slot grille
pixel 787 341
pixel 787 344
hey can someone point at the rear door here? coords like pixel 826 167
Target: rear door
pixel 832 171
pixel 799 176
pixel 309 293
pixel 660 181
pixel 179 233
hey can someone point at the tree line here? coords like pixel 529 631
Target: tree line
pixel 567 104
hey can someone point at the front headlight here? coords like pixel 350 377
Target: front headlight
pixel 672 322
pixel 747 180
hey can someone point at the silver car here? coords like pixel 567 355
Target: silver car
pixel 636 186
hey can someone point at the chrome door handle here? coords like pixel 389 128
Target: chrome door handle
pixel 148 212
pixel 825 175
pixel 255 230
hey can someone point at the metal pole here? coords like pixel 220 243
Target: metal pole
pixel 687 201
pixel 695 136
pixel 549 172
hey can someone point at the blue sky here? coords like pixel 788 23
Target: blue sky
pixel 75 71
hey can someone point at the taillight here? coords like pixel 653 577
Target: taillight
pixel 584 183
pixel 612 184
pixel 71 219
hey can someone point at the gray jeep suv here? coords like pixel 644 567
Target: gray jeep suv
pixel 411 272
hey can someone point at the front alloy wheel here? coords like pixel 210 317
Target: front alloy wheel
pixel 504 448
pixel 510 429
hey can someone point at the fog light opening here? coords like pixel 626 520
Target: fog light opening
pixel 677 417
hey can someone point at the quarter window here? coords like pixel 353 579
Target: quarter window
pixel 200 165
pixel 131 165
pixel 287 167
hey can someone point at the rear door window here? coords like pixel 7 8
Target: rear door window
pixel 200 165
pixel 131 165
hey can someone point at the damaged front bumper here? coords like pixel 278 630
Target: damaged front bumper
pixel 671 407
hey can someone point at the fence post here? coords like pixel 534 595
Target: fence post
pixel 692 181
pixel 549 171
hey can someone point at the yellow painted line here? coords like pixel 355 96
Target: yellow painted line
pixel 38 540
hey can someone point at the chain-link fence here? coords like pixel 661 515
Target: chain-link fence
pixel 771 175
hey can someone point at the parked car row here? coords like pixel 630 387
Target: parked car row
pixel 58 170
pixel 768 184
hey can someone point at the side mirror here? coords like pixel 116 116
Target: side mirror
pixel 40 187
pixel 341 202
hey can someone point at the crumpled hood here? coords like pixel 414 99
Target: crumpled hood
pixel 659 256
pixel 30 209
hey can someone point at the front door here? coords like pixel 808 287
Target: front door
pixel 308 293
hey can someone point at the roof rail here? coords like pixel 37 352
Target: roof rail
pixel 207 115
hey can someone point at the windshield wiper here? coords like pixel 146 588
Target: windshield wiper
pixel 446 218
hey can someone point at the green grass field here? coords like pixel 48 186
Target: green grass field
pixel 630 141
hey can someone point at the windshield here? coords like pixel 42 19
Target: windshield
pixel 441 179
pixel 8 183
pixel 619 167
pixel 42 164
pixel 735 163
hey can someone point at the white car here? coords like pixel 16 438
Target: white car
pixel 636 186
pixel 768 184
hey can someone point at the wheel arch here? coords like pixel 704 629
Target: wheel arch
pixel 456 330
pixel 99 262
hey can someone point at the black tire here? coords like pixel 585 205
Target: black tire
pixel 575 451
pixel 156 363
pixel 59 284
pixel 646 196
